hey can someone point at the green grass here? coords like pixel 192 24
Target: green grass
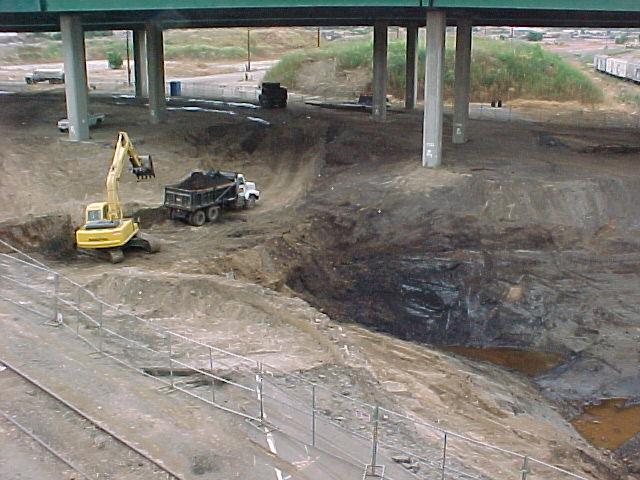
pixel 202 45
pixel 499 70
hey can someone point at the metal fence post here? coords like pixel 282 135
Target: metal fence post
pixel 100 326
pixel 313 415
pixel 374 442
pixel 444 455
pixel 170 348
pixel 56 291
pixel 525 468
pixel 78 311
pixel 260 389
pixel 213 380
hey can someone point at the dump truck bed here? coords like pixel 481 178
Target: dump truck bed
pixel 200 189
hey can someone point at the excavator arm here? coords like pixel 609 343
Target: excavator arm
pixel 142 167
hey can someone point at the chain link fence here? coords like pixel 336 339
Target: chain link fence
pixel 373 438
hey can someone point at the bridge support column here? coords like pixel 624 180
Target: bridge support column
pixel 75 77
pixel 140 63
pixel 379 110
pixel 462 80
pixel 433 89
pixel 411 72
pixel 155 69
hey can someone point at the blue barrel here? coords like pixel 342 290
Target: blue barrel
pixel 175 88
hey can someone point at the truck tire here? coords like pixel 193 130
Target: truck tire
pixel 197 218
pixel 213 214
pixel 250 202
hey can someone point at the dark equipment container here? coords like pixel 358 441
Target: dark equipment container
pixel 273 95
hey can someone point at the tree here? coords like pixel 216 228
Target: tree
pixel 535 36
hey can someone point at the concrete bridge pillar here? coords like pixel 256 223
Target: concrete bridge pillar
pixel 155 69
pixel 433 90
pixel 75 77
pixel 140 63
pixel 379 110
pixel 411 72
pixel 462 80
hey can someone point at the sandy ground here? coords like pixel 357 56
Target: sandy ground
pixel 350 222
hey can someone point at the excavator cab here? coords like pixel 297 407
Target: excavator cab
pixel 97 216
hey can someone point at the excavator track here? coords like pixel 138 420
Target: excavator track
pixel 148 243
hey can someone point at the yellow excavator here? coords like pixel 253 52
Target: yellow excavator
pixel 106 231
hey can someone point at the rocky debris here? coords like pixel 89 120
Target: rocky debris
pixel 629 454
pixel 407 462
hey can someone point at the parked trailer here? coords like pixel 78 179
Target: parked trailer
pixel 202 195
pixel 51 76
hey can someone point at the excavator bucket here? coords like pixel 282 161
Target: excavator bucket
pixel 145 170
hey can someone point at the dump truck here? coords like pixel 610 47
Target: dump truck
pixel 202 195
pixel 272 95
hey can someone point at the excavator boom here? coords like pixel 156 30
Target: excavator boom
pixel 142 168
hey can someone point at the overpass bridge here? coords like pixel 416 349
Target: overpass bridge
pixel 149 18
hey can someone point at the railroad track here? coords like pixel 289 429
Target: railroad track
pixel 83 444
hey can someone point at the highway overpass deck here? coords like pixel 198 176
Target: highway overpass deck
pixel 31 15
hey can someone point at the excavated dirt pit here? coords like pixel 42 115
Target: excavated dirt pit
pixel 516 252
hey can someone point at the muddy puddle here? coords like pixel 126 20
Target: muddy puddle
pixel 529 363
pixel 609 424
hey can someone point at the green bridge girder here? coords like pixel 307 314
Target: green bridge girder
pixel 133 5
pixel 30 15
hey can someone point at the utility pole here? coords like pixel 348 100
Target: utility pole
pixel 128 61
pixel 318 43
pixel 248 49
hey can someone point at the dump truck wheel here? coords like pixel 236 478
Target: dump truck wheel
pixel 213 214
pixel 250 202
pixel 197 218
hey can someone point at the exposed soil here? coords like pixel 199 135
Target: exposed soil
pixel 513 244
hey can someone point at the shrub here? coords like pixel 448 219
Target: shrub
pixel 115 60
pixel 535 36
pixel 499 69
pixel 622 39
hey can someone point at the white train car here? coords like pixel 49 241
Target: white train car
pixel 618 68
pixel 600 63
pixel 633 72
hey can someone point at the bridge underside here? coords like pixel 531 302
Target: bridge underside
pixel 149 18
pixel 323 16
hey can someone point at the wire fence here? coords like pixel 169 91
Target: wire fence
pixel 571 117
pixel 373 438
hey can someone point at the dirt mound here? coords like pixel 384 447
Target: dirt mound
pixel 245 318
